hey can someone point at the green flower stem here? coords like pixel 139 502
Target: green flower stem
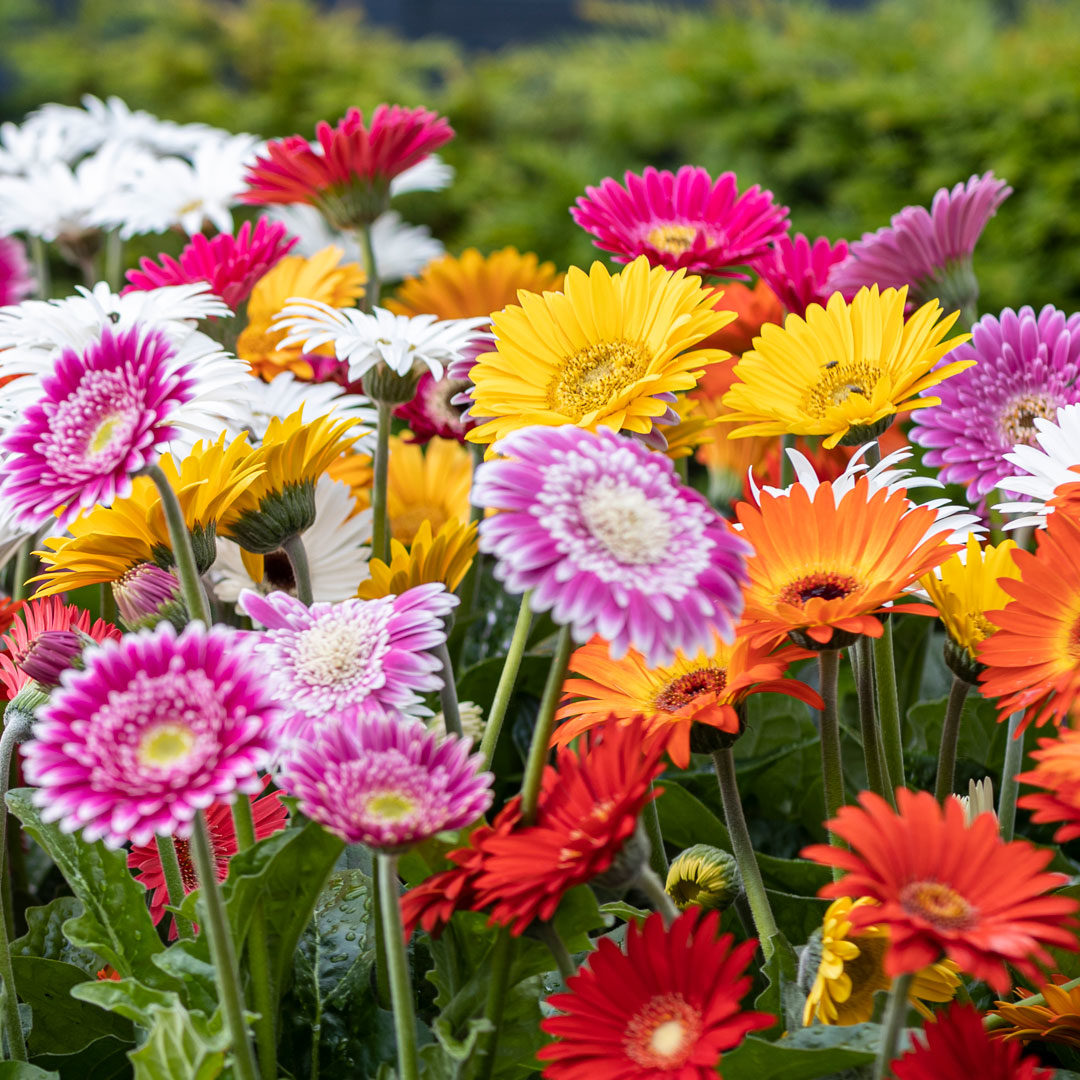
pixel 174 884
pixel 950 734
pixel 190 585
pixel 876 776
pixel 380 528
pixel 448 693
pixel 888 704
pixel 108 603
pixel 743 850
pixel 545 719
pixel 787 470
pixel 832 767
pixel 469 586
pixel 547 933
pixel 505 690
pixel 298 560
pixel 114 260
pixel 382 964
pixel 400 990
pixel 502 956
pixel 40 256
pixel 657 856
pixel 13 732
pixel 891 1025
pixel 1014 758
pixel 19 588
pixel 992 1022
pixel 226 970
pixel 367 259
pixel 651 885
pixel 263 990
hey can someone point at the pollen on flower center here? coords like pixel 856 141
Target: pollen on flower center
pixel 1018 420
pixel 590 379
pixel 166 744
pixel 334 650
pixel 663 1034
pixel 838 382
pixel 631 526
pixel 391 805
pixel 673 239
pixel 828 585
pixel 100 439
pixel 938 904
pixel 683 690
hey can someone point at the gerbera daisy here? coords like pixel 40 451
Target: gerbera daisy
pixel 16 282
pixel 329 656
pixel 706 689
pixel 693 428
pixel 845 371
pixel 823 566
pixel 957 1046
pixel 426 484
pixel 1057 1021
pixel 145 595
pixel 798 271
pixel 607 351
pixel 268 813
pixel 1025 367
pixel 753 307
pixel 1046 468
pixel 684 220
pixel 604 536
pixel 944 887
pixel 432 412
pixel 667 1006
pixel 1057 772
pixel 850 971
pixel 230 264
pixel 1031 658
pixel 348 176
pixel 384 780
pixel 155 728
pixel 444 557
pixel 704 876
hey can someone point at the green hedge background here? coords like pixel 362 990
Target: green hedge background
pixel 847 116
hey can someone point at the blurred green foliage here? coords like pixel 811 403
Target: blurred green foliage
pixel 847 116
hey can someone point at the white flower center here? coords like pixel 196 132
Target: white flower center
pixel 336 650
pixel 668 1038
pixel 632 527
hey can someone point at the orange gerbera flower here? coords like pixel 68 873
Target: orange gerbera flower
pixel 754 307
pixel 1058 772
pixel 1058 1021
pixel 1032 660
pixel 946 888
pixel 823 564
pixel 707 689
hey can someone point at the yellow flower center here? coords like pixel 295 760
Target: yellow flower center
pixel 633 529
pixel 1018 421
pixel 980 627
pixel 683 690
pixel 940 905
pixel 662 1034
pixel 673 239
pixel 390 805
pixel 838 382
pixel 194 204
pixel 166 744
pixel 590 380
pixel 103 434
pixel 825 584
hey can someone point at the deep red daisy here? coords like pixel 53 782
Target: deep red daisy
pixel 944 888
pixel 666 1008
pixel 957 1047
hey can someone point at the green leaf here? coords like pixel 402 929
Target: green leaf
pixel 20 1070
pixel 806 1054
pixel 127 997
pixel 45 936
pixel 103 1059
pixel 179 1044
pixel 627 912
pixel 782 997
pixel 115 922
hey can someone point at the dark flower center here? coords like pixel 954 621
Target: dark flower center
pixel 825 585
pixel 683 690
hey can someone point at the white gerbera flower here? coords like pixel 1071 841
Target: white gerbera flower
pixel 428 174
pixel 1043 468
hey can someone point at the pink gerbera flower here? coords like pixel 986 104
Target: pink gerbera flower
pixel 348 176
pixel 798 271
pixel 384 780
pixel 230 264
pixel 15 280
pixel 155 728
pixel 684 219
pixel 432 412
pixel 607 539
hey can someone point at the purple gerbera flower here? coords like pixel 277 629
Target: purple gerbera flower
pixel 384 780
pixel 155 728
pixel 798 271
pixel 600 530
pixel 100 417
pixel 15 280
pixel 1026 369
pixel 329 656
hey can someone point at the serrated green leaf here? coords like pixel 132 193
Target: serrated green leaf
pixel 179 1044
pixel 781 997
pixel 126 997
pixel 806 1054
pixel 45 936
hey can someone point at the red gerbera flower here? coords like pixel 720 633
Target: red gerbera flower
pixel 957 1047
pixel 946 888
pixel 667 1007
pixel 231 264
pixel 35 618
pixel 348 176
pixel 267 811
pixel 1058 772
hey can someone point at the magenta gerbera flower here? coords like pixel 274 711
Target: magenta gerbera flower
pixel 798 271
pixel 684 219
pixel 928 250
pixel 15 280
pixel 432 411
pixel 384 780
pixel 607 539
pixel 101 416
pixel 330 656
pixel 230 264
pixel 347 177
pixel 155 728
pixel 1026 368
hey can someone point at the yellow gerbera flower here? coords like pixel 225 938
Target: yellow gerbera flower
pixel 470 285
pixel 600 353
pixel 356 470
pixel 851 971
pixel 108 541
pixel 695 428
pixel 429 483
pixel 1058 1021
pixel 844 371
pixel 319 277
pixel 446 557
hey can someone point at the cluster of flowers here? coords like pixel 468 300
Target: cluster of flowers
pixel 214 446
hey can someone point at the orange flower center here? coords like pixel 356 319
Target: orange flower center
pixel 825 584
pixel 673 239
pixel 1018 421
pixel 663 1034
pixel 683 690
pixel 940 905
pixel 593 378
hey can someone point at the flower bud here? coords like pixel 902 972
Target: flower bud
pixel 146 595
pixel 50 654
pixel 705 876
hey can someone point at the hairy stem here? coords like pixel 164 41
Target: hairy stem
pixel 298 560
pixel 950 735
pixel 1014 758
pixel 505 690
pixel 380 527
pixel 190 585
pixel 541 739
pixel 889 707
pixel 397 963
pixel 174 884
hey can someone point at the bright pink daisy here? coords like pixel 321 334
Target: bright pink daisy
pixel 433 413
pixel 15 280
pixel 684 219
pixel 382 779
pixel 101 416
pixel 154 728
pixel 348 176
pixel 230 264
pixel 609 541
pixel 798 271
